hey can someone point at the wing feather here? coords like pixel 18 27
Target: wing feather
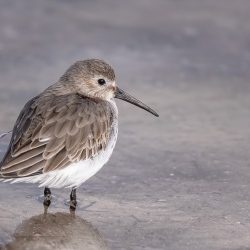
pixel 24 157
pixel 30 170
pixel 53 132
pixel 50 154
pixel 22 165
pixel 53 162
pixel 55 143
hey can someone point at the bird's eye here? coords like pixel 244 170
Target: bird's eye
pixel 101 81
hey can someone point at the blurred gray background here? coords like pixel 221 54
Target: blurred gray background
pixel 180 181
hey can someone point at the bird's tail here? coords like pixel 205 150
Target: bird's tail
pixel 1 136
pixel 4 134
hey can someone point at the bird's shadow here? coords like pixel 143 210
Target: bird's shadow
pixel 56 231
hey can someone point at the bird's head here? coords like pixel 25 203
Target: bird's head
pixel 95 78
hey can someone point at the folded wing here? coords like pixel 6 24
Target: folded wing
pixel 53 132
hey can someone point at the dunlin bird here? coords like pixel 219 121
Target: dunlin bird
pixel 66 134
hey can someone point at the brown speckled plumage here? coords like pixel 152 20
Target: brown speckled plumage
pixel 61 125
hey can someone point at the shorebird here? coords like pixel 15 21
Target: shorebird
pixel 67 133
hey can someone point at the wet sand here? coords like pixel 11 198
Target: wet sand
pixel 177 182
pixel 58 231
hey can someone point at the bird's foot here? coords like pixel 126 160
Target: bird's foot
pixel 47 200
pixel 72 202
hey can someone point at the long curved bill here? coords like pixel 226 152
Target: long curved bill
pixel 120 94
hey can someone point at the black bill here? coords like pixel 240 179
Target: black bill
pixel 120 94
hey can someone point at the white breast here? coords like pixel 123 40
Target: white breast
pixel 77 173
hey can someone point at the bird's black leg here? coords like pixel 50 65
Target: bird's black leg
pixel 73 201
pixel 47 199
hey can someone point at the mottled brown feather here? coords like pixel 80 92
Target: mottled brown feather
pixel 55 143
pixel 24 157
pixel 49 154
pixel 35 144
pixel 74 131
pixel 30 170
pixel 53 162
pixel 23 165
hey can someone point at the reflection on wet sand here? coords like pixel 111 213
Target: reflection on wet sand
pixel 56 231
